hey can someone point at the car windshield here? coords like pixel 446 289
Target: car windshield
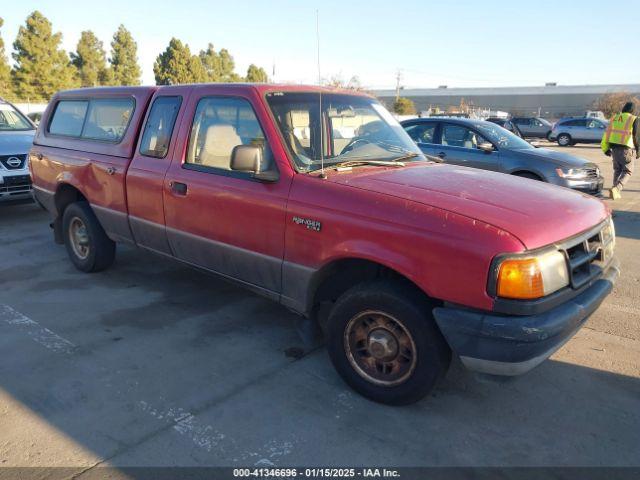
pixel 354 128
pixel 11 119
pixel 501 137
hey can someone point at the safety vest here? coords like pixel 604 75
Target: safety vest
pixel 620 130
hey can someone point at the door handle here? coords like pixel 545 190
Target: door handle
pixel 178 188
pixel 442 155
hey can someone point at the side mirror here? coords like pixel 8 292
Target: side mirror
pixel 249 158
pixel 486 147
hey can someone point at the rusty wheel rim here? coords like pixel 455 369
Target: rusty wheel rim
pixel 79 238
pixel 380 348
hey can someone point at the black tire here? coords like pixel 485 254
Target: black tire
pixel 412 311
pixel 529 175
pixel 565 140
pixel 100 249
pixel 548 136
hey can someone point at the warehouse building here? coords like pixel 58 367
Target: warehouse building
pixel 549 101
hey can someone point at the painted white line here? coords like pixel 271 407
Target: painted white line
pixel 185 423
pixel 37 332
pixel 207 437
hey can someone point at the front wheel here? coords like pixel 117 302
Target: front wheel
pixel 384 343
pixel 88 246
pixel 564 140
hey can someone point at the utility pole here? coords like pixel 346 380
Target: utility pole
pixel 398 78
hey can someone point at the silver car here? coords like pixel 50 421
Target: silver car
pixel 485 145
pixel 569 131
pixel 533 127
pixel 16 138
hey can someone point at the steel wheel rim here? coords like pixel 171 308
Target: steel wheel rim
pixel 563 140
pixel 79 238
pixel 380 348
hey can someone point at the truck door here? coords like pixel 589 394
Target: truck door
pixel 145 177
pixel 220 219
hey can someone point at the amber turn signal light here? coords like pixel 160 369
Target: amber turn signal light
pixel 520 278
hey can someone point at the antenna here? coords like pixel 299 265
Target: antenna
pixel 322 174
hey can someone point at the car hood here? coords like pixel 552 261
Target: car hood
pixel 537 213
pixel 16 143
pixel 560 159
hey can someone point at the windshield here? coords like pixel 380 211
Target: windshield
pixel 356 128
pixel 11 119
pixel 501 137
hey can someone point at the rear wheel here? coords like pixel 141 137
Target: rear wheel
pixel 384 343
pixel 88 246
pixel 564 140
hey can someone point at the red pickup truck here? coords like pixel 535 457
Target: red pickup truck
pixel 318 199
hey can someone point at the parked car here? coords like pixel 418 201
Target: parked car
pixel 506 123
pixel 402 261
pixel 481 144
pixel 569 131
pixel 533 127
pixel 595 114
pixel 16 137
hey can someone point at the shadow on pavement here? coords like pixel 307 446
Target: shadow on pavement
pixel 627 224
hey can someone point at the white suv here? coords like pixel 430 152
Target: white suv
pixel 16 137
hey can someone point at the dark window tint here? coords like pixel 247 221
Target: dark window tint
pixel 68 118
pixel 575 123
pixel 159 126
pixel 220 124
pixel 107 119
pixel 421 132
pixel 521 121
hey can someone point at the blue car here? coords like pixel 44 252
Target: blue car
pixel 485 145
pixel 569 131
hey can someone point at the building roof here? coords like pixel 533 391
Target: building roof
pixel 543 90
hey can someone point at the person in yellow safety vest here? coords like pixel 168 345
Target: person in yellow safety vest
pixel 620 142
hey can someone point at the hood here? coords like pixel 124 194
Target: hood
pixel 16 143
pixel 537 213
pixel 560 159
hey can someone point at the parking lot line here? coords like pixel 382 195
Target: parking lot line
pixel 37 332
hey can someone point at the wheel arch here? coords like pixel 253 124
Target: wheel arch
pixel 338 275
pixel 65 195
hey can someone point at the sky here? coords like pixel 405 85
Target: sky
pixel 456 43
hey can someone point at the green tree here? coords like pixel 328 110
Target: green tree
pixel 5 70
pixel 256 74
pixel 124 58
pixel 176 65
pixel 404 106
pixel 218 66
pixel 41 68
pixel 91 61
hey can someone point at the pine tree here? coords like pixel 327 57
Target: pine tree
pixel 91 60
pixel 41 68
pixel 124 58
pixel 5 70
pixel 218 66
pixel 256 74
pixel 176 65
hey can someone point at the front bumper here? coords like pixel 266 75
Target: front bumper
pixel 15 185
pixel 513 345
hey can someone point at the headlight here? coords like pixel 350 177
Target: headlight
pixel 572 173
pixel 529 277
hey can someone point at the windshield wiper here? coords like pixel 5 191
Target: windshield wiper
pixel 360 163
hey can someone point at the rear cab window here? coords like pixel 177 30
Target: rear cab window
pixel 101 119
pixel 159 127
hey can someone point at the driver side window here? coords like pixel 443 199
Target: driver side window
pixel 460 136
pixel 422 133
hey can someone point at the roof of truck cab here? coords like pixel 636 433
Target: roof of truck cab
pixel 259 87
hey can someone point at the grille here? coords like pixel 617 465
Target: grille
pixel 592 172
pixel 589 255
pixel 4 159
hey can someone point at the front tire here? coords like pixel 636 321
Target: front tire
pixel 87 244
pixel 564 140
pixel 384 343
